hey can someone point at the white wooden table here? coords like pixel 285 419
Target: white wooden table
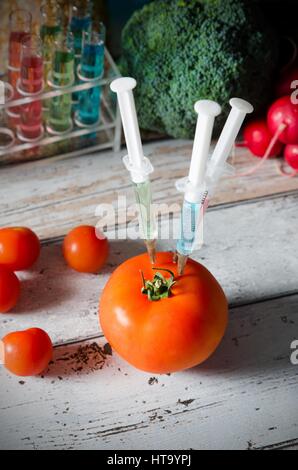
pixel 244 397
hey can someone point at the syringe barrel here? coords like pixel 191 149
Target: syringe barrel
pixel 207 111
pixel 123 87
pixel 200 147
pixel 230 131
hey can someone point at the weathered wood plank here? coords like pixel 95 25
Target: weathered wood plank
pixel 52 197
pixel 243 397
pixel 292 444
pixel 249 248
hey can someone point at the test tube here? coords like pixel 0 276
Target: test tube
pixel 7 137
pixel 30 83
pixel 80 22
pixel 51 18
pixel 3 53
pixel 20 22
pixel 62 75
pixel 91 68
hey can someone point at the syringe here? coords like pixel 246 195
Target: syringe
pixel 200 183
pixel 193 185
pixel 138 166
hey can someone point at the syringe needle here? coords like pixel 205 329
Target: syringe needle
pixel 181 262
pixel 151 248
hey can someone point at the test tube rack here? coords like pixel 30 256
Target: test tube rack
pixel 80 140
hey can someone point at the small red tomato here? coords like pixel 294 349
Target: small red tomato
pixel 19 248
pixel 9 289
pixel 27 352
pixel 84 251
pixel 257 138
pixel 291 155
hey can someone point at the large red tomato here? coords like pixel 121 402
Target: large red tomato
pixel 166 335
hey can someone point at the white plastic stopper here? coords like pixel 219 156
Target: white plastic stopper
pixel 229 133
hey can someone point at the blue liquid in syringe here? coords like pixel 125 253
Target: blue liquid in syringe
pixel 92 66
pixel 189 218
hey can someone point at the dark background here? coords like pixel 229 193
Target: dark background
pixel 282 14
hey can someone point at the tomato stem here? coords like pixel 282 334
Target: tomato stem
pixel 143 279
pixel 159 287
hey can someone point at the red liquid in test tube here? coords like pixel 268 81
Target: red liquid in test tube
pixel 15 43
pixel 32 74
pixel 31 82
pixel 20 27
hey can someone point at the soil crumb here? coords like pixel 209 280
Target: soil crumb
pixel 87 358
pixel 152 381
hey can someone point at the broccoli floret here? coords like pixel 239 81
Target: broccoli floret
pixel 180 51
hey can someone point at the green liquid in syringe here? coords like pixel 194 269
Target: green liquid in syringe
pixel 60 106
pixel 144 200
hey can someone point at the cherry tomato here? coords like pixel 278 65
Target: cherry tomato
pixel 27 352
pixel 257 137
pixel 9 289
pixel 84 251
pixel 19 248
pixel 166 335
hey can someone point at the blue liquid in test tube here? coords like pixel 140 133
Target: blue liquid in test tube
pixel 81 22
pixel 78 26
pixel 92 67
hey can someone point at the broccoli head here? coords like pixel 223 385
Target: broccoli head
pixel 180 51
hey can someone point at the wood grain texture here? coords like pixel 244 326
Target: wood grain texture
pixel 292 444
pixel 243 397
pixel 251 259
pixel 55 196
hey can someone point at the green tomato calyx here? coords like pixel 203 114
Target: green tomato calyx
pixel 159 287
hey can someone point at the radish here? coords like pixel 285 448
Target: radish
pixel 291 155
pixel 273 141
pixel 282 120
pixel 257 138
